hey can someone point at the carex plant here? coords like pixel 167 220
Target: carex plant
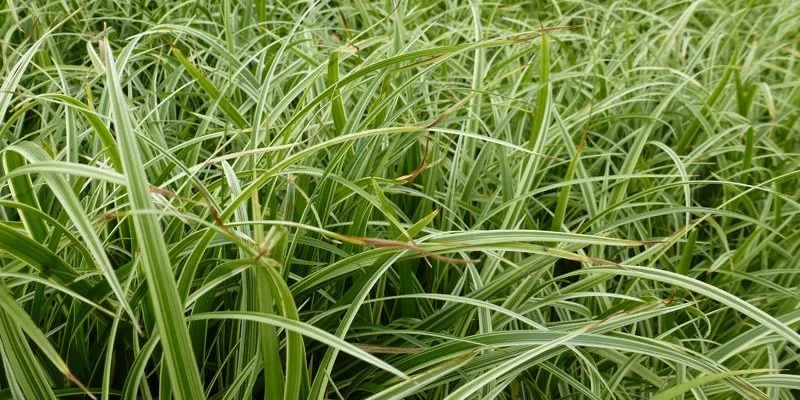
pixel 443 199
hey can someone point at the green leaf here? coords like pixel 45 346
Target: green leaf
pixel 686 386
pixel 166 305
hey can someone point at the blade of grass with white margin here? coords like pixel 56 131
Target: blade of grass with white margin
pixel 304 329
pixel 29 373
pixel 418 382
pixel 10 82
pixel 705 289
pixel 72 206
pixel 167 308
pixel 22 190
pixel 468 389
pixel 255 339
pixel 22 369
pixel 684 387
pixel 320 384
pixel 745 340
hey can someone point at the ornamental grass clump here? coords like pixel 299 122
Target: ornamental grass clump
pixel 400 200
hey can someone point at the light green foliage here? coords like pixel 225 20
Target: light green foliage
pixel 444 199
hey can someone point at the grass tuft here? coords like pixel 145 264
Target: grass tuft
pixel 400 200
